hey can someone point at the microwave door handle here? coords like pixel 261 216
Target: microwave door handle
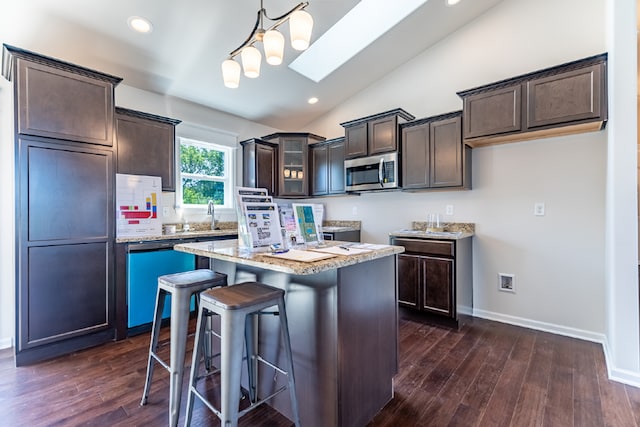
pixel 381 172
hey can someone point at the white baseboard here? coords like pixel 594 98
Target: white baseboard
pixel 6 343
pixel 541 326
pixel 615 374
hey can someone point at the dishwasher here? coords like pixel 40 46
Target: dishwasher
pixel 145 262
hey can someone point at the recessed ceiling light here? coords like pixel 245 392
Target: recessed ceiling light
pixel 452 2
pixel 139 24
pixel 312 100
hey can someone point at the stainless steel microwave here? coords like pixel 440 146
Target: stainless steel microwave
pixel 372 173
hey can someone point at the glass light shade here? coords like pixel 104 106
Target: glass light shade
pixel 251 58
pixel 273 42
pixel 300 26
pixel 231 73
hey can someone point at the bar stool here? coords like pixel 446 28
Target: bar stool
pixel 236 306
pixel 181 286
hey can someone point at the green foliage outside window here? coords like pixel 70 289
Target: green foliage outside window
pixel 198 165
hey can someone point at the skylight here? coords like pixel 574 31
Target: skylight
pixel 362 25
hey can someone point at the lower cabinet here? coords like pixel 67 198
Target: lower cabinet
pixel 435 277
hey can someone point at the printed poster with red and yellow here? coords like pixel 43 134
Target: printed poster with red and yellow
pixel 137 205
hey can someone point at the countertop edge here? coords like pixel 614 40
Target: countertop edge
pixel 256 259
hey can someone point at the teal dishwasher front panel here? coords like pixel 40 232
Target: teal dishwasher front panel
pixel 143 269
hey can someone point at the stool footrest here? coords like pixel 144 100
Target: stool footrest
pixel 160 361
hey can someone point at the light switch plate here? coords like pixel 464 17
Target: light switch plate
pixel 449 209
pixel 538 209
pixel 165 212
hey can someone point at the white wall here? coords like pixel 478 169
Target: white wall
pixel 558 259
pixel 622 250
pixel 7 260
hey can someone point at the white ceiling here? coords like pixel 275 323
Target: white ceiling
pixel 182 56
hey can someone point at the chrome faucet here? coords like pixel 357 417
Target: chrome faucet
pixel 211 210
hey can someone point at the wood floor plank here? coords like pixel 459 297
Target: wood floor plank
pixel 559 408
pixel 633 396
pixel 611 394
pixel 532 400
pixel 586 392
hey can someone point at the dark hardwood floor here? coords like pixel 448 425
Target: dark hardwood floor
pixel 485 374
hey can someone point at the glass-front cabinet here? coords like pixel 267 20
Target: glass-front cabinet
pixel 293 152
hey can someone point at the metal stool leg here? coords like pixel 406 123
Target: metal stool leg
pixel 284 328
pixel 179 326
pixel 195 363
pixel 153 345
pixel 250 334
pixel 232 331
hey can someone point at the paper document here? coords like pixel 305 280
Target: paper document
pixel 342 250
pixel 297 255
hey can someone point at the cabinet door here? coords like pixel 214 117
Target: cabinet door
pixel 415 156
pixel 293 173
pixel 571 96
pixel 355 142
pixel 383 135
pixel 335 162
pixel 493 112
pixel 146 147
pixel 437 286
pixel 266 167
pixel 65 237
pixel 409 277
pixel 319 169
pixel 57 103
pixel 446 153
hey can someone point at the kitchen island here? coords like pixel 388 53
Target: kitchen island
pixel 343 324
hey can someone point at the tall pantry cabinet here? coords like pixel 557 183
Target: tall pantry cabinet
pixel 65 204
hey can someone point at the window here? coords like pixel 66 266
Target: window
pixel 206 173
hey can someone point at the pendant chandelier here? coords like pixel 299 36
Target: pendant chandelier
pixel 300 26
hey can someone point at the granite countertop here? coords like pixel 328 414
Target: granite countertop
pixel 227 250
pixel 335 226
pixel 179 235
pixel 450 231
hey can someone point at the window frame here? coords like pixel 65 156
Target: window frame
pixel 229 172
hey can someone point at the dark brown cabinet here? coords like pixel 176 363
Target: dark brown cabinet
pixel 568 98
pixel 374 134
pixel 60 100
pixel 327 167
pixel 434 276
pixel 293 162
pixel 65 204
pixel 434 155
pixel 260 165
pixel 146 145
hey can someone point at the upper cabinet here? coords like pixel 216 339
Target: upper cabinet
pixel 327 167
pixel 260 165
pixel 146 145
pixel 434 155
pixel 568 98
pixel 293 162
pixel 59 100
pixel 374 134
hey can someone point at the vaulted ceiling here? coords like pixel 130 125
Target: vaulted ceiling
pixel 181 57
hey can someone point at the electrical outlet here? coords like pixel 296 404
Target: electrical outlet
pixel 449 209
pixel 538 209
pixel 165 211
pixel 354 211
pixel 506 282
